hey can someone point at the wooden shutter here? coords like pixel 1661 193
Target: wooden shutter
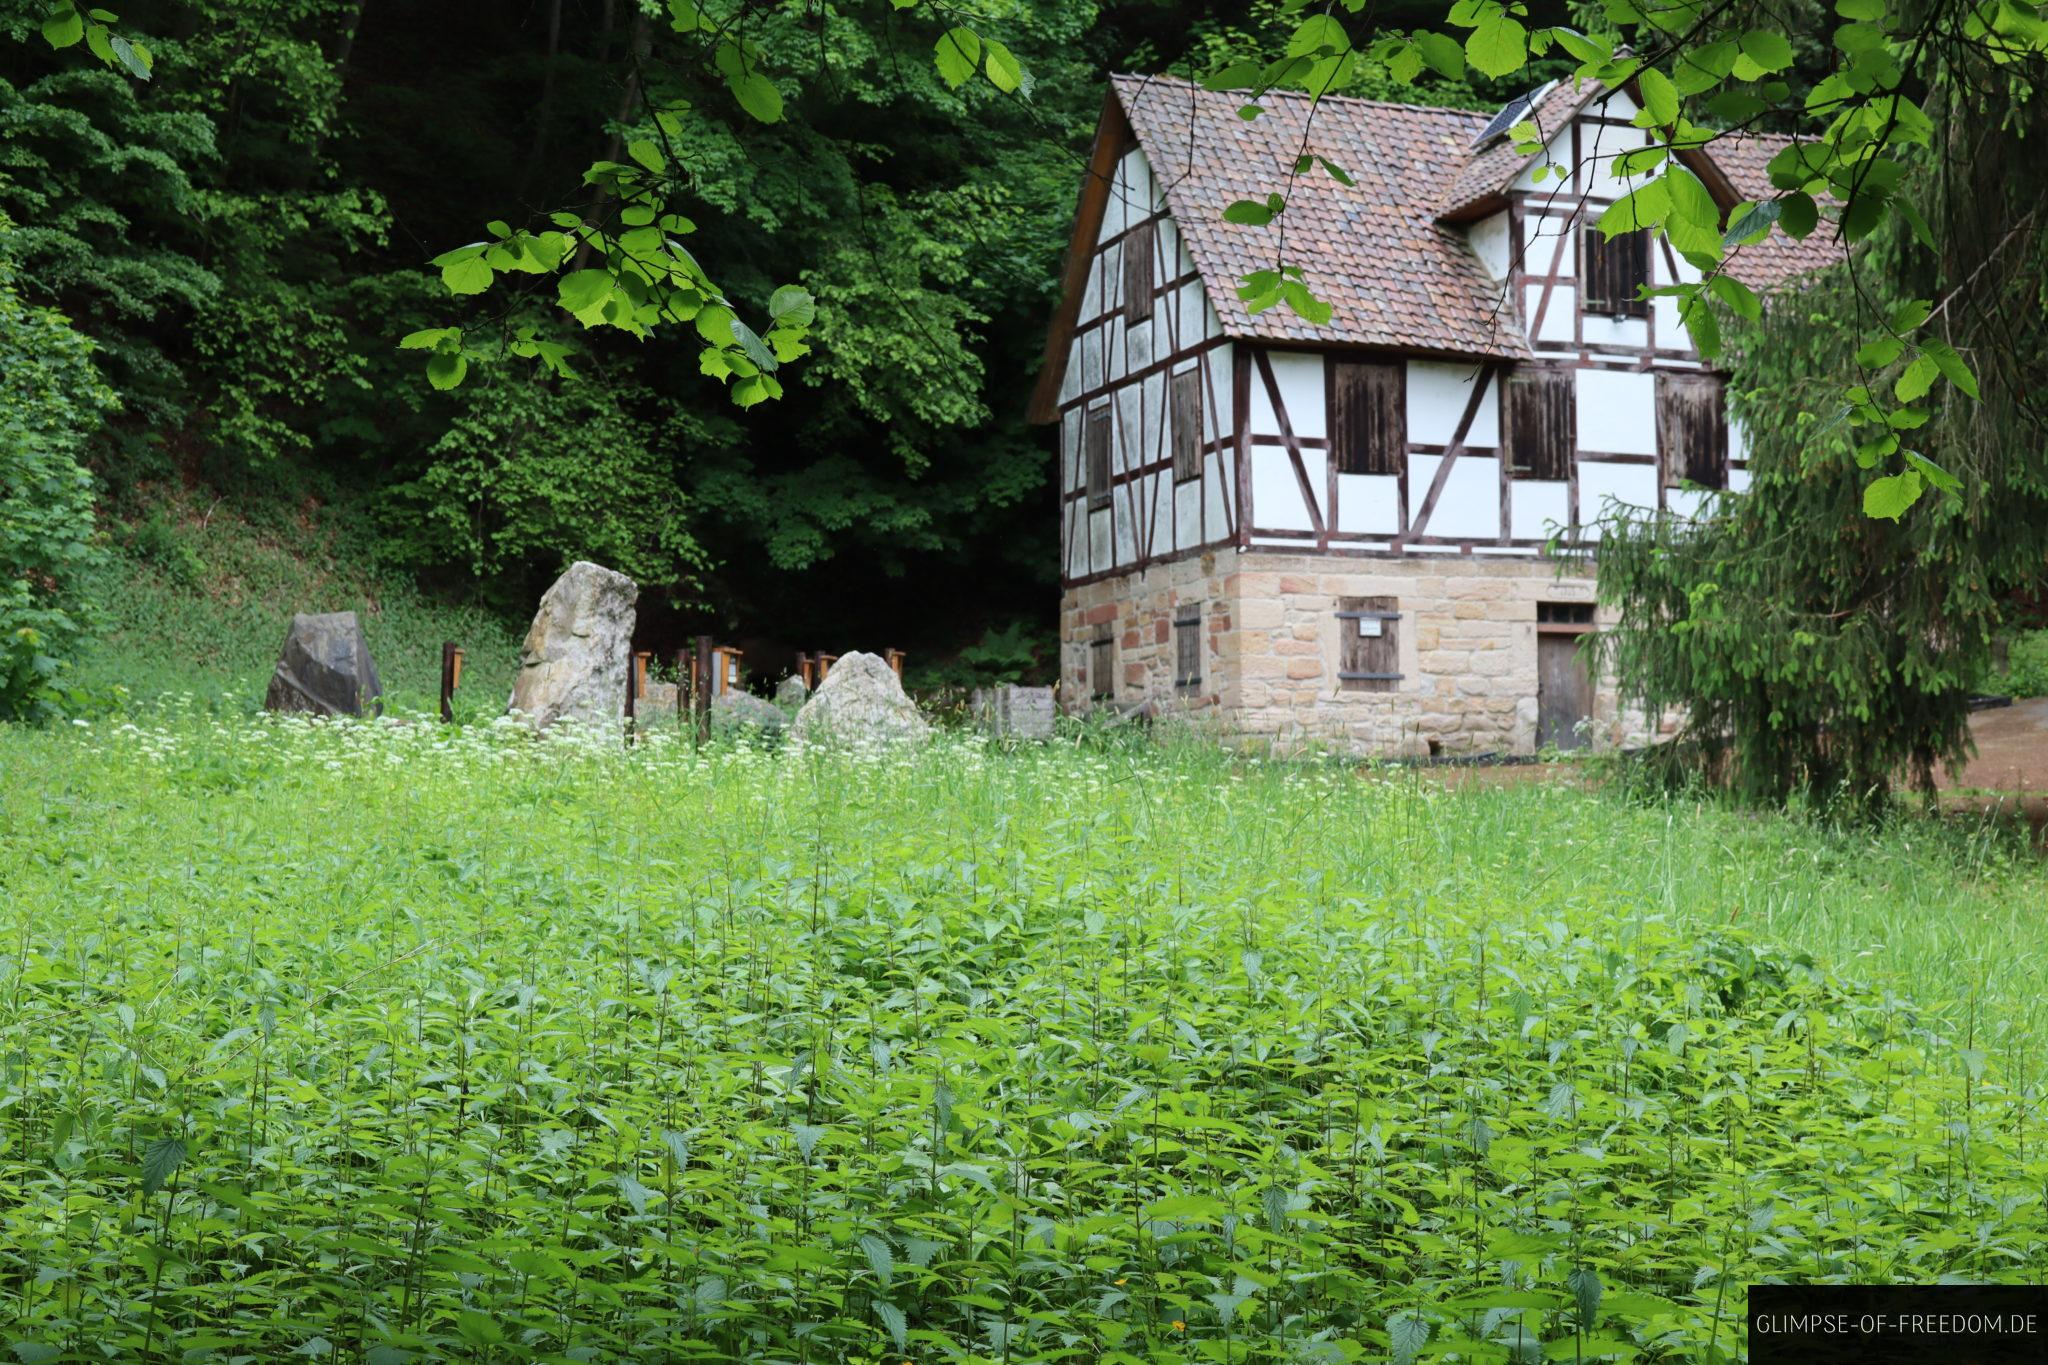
pixel 1095 445
pixel 1187 648
pixel 1186 397
pixel 1369 658
pixel 1539 417
pixel 1613 270
pixel 1101 662
pixel 1138 273
pixel 1692 428
pixel 1368 416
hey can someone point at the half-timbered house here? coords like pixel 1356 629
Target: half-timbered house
pixel 1345 533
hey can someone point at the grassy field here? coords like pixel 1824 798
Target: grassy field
pixel 199 594
pixel 379 1043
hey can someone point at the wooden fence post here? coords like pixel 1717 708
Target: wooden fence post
pixel 632 692
pixel 700 693
pixel 451 678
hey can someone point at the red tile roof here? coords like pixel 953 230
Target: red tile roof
pixel 1396 276
pixel 1373 249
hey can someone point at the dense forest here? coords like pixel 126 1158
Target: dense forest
pixel 246 237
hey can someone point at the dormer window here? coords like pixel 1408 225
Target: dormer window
pixel 1613 271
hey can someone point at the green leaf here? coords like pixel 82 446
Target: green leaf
pixel 958 54
pixel 1443 55
pixel 1766 51
pixel 64 27
pixel 1005 73
pixel 429 338
pixel 1879 352
pixel 584 290
pixel 1952 366
pixel 1751 222
pixel 1887 499
pixel 892 1319
pixel 1645 206
pixel 1407 1334
pixel 1798 214
pixel 1917 378
pixel 1737 296
pixel 131 55
pixel 159 1161
pixel 36 1353
pixel 1584 1283
pixel 1936 476
pixel 757 95
pixel 1252 213
pixel 1499 45
pixel 1660 97
pixel 792 306
pixel 445 369
pixel 648 154
pixel 470 275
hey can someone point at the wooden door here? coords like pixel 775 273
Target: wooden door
pixel 1564 693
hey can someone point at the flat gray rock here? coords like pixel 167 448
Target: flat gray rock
pixel 1012 712
pixel 739 712
pixel 325 669
pixel 860 702
pixel 573 664
pixel 792 692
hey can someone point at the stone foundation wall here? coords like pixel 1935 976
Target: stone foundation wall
pixel 1137 612
pixel 1272 642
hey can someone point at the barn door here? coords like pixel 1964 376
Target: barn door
pixel 1564 693
pixel 1564 689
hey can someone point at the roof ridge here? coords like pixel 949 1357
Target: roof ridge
pixel 1303 94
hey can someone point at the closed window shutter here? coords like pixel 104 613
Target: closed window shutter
pixel 1101 662
pixel 1096 441
pixel 1368 417
pixel 1539 410
pixel 1692 428
pixel 1369 657
pixel 1138 273
pixel 1187 648
pixel 1615 269
pixel 1187 426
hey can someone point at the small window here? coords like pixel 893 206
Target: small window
pixel 1187 425
pixel 1370 659
pixel 1692 429
pixel 1615 270
pixel 1138 273
pixel 1187 649
pixel 1539 416
pixel 1101 660
pixel 1095 441
pixel 1368 417
pixel 1565 616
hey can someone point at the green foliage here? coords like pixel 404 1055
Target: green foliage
pixel 2026 666
pixel 1821 645
pixel 956 1056
pixel 197 594
pixel 540 471
pixel 51 398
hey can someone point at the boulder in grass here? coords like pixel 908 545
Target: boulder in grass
pixel 792 692
pixel 573 664
pixel 861 701
pixel 325 669
pixel 742 713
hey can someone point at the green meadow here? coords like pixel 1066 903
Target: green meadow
pixel 388 1042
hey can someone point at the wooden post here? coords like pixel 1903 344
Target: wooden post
pixel 803 669
pixel 700 692
pixel 894 658
pixel 451 678
pixel 682 686
pixel 632 691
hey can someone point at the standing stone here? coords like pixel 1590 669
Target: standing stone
pixel 325 669
pixel 1012 712
pixel 573 664
pixel 792 692
pixel 738 713
pixel 861 701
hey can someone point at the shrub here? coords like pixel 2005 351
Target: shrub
pixel 2026 665
pixel 50 397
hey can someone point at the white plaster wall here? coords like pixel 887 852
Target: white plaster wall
pixel 1536 507
pixel 1468 507
pixel 1091 359
pixel 1738 440
pixel 1600 330
pixel 1123 498
pixel 1219 492
pixel 1098 541
pixel 1187 514
pixel 1437 394
pixel 1684 501
pixel 1299 376
pixel 1490 242
pixel 1629 483
pixel 1738 480
pixel 1556 327
pixel 1276 493
pixel 1368 503
pixel 1547 241
pixel 1070 451
pixel 1137 347
pixel 1617 412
